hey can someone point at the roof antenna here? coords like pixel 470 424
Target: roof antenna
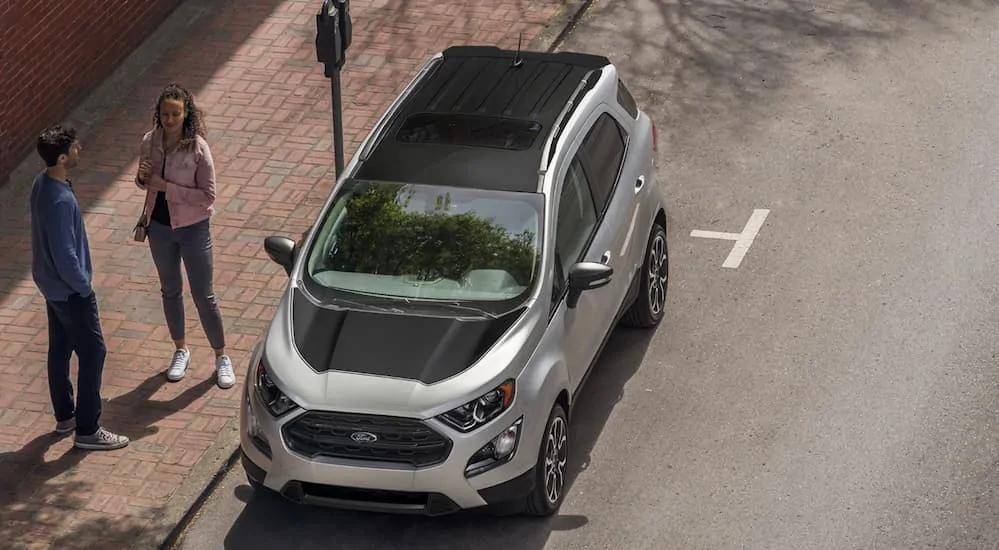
pixel 517 61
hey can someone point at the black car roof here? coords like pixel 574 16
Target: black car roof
pixel 476 95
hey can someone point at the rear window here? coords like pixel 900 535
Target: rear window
pixel 626 100
pixel 469 130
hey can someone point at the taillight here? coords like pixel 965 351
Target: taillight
pixel 655 138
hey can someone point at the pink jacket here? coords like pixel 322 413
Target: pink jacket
pixel 190 176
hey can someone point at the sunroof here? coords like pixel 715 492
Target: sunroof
pixel 469 130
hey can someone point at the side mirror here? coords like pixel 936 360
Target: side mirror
pixel 585 276
pixel 282 250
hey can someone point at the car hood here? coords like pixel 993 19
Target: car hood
pixel 405 346
pixel 387 363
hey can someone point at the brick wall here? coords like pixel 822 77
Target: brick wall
pixel 53 52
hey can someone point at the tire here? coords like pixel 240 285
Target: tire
pixel 649 307
pixel 550 478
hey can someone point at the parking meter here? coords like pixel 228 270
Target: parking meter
pixel 329 44
pixel 334 33
pixel 345 26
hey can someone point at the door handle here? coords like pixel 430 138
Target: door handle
pixel 640 183
pixel 605 259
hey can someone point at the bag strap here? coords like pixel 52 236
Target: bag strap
pixel 146 210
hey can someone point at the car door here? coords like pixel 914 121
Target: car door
pixel 587 229
pixel 637 180
pixel 602 154
pixel 576 226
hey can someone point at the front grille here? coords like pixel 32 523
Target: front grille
pixel 398 440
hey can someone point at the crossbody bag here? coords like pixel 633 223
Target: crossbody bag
pixel 141 229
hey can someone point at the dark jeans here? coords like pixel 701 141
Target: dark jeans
pixel 193 246
pixel 75 326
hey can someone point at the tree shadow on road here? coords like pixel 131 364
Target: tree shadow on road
pixel 70 494
pixel 706 64
pixel 268 520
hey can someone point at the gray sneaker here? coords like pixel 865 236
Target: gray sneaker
pixel 103 440
pixel 178 366
pixel 224 375
pixel 65 426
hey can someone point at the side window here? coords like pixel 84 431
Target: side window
pixel 576 219
pixel 603 153
pixel 626 100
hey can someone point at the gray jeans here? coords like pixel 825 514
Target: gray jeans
pixel 193 245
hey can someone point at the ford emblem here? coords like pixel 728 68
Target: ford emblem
pixel 364 437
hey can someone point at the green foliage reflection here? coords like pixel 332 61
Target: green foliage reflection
pixel 380 236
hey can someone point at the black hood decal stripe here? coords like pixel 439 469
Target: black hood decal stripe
pixel 315 328
pixel 397 345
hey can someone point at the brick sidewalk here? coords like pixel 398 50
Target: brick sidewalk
pixel 251 64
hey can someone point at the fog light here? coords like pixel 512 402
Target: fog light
pixel 498 451
pixel 506 442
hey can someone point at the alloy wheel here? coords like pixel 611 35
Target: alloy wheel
pixel 556 453
pixel 658 273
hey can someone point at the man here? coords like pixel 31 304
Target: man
pixel 62 271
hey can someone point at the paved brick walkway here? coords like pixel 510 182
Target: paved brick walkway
pixel 252 66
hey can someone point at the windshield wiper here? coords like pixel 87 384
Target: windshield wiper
pixel 390 304
pixel 459 307
pixel 428 304
pixel 343 302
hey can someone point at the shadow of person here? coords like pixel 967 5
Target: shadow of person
pixel 24 470
pixel 28 481
pixel 135 413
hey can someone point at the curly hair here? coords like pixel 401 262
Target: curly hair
pixel 194 121
pixel 54 142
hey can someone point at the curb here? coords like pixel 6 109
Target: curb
pixel 559 26
pixel 176 534
pixel 563 22
pixel 567 19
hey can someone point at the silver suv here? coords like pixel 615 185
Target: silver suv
pixel 457 287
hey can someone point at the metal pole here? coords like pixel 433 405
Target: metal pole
pixel 337 123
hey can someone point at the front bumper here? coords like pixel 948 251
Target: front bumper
pixel 373 486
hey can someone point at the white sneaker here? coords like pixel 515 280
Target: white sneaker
pixel 224 375
pixel 178 366
pixel 103 440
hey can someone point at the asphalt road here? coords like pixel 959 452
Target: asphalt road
pixel 839 389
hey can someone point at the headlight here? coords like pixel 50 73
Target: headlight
pixel 480 411
pixel 274 399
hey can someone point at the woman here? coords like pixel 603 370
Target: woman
pixel 177 172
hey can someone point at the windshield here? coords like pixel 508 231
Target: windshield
pixel 427 243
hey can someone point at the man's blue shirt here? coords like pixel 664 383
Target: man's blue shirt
pixel 60 251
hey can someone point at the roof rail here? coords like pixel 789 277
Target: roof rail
pixel 587 83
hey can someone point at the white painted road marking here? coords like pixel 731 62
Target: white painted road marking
pixel 742 240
